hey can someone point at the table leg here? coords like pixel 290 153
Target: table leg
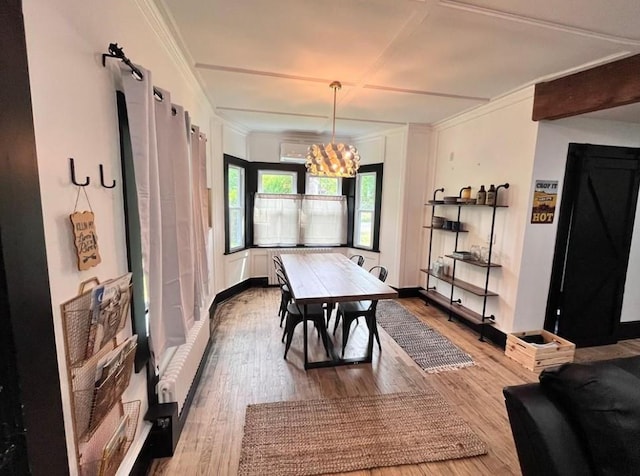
pixel 304 336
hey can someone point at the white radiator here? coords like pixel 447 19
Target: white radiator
pixel 177 378
pixel 283 251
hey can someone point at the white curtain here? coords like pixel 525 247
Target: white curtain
pixel 289 220
pixel 324 220
pixel 200 216
pixel 276 220
pixel 160 144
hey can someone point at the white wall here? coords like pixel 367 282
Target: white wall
pixel 74 111
pixel 412 244
pixel 537 259
pixel 393 197
pixel 492 144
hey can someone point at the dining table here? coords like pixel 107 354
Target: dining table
pixel 331 278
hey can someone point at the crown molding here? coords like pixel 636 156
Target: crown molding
pixel 504 15
pixel 163 25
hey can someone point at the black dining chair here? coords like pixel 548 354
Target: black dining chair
pixel 295 315
pixel 352 310
pixel 357 259
pixel 285 292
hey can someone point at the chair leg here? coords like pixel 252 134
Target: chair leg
pixel 346 327
pixel 335 324
pixel 289 327
pixel 371 324
pixel 325 338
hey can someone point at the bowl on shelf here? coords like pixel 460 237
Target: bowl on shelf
pixel 450 199
pixel 437 222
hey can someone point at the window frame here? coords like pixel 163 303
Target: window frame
pixel 230 161
pixel 376 169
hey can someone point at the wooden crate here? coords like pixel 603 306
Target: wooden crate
pixel 538 358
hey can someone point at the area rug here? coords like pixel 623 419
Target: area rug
pixel 347 434
pixel 428 348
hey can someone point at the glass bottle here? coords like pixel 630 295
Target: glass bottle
pixel 491 196
pixel 482 196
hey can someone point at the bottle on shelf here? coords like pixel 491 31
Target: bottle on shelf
pixel 482 196
pixel 491 196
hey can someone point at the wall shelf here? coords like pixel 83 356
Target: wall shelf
pixel 458 283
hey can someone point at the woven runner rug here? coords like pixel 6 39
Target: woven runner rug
pixel 348 434
pixel 427 347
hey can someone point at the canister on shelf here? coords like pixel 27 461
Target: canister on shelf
pixel 482 196
pixel 491 196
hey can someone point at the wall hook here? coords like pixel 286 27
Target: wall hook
pixel 113 184
pixel 73 175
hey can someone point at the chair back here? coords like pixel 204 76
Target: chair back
pixel 357 259
pixel 277 262
pixel 379 272
pixel 282 278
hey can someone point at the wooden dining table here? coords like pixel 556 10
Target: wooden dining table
pixel 319 278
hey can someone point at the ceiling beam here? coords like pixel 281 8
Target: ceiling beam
pixel 603 87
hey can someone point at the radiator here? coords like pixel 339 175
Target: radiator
pixel 283 251
pixel 176 380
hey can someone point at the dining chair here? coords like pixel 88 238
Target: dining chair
pixel 285 292
pixel 352 310
pixel 295 315
pixel 358 259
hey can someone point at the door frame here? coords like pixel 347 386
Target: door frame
pixel 24 256
pixel 569 191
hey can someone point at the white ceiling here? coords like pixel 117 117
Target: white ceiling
pixel 266 65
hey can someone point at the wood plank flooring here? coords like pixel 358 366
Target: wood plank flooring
pixel 245 366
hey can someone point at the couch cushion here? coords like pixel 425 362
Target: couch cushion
pixel 603 400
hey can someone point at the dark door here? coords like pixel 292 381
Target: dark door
pixel 595 227
pixel 13 449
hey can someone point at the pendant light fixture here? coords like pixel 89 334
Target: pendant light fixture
pixel 333 160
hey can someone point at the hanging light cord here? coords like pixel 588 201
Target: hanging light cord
pixel 335 85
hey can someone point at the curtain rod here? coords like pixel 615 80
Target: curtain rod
pixel 116 52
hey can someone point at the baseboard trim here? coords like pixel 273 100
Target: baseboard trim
pixel 496 336
pixel 408 292
pixel 628 330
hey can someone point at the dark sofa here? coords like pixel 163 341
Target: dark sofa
pixel 580 419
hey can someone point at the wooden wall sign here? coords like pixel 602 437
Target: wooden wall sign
pixel 85 239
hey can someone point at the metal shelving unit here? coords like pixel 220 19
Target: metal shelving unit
pixel 454 306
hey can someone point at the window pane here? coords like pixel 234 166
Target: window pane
pixel 235 190
pixel 236 228
pixel 364 231
pixel 367 192
pixel 277 183
pixel 323 185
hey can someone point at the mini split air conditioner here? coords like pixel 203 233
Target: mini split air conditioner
pixel 293 153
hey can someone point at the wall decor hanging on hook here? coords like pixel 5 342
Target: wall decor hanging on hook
pixel 85 238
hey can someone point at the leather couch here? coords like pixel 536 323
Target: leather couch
pixel 579 419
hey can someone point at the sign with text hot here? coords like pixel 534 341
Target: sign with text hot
pixel 544 201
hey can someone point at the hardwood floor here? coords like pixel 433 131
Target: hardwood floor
pixel 245 366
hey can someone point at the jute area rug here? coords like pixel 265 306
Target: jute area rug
pixel 348 434
pixel 427 347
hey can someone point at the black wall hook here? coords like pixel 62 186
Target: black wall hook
pixel 73 175
pixel 113 184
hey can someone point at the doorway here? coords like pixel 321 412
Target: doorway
pixel 593 242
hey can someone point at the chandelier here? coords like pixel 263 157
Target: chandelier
pixel 333 160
